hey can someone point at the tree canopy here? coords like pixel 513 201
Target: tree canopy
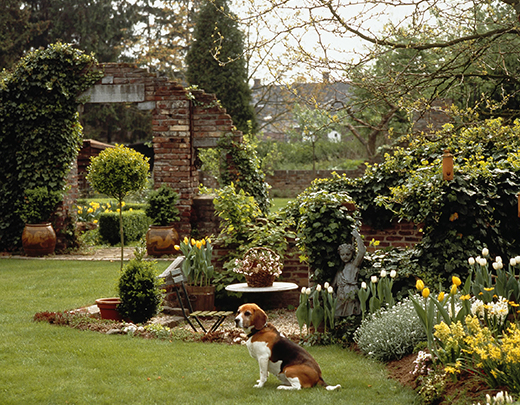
pixel 216 64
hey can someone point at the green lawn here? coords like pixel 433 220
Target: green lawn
pixel 46 364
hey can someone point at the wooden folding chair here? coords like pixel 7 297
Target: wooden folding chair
pixel 173 276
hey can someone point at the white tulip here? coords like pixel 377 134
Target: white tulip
pixel 308 291
pixel 318 287
pixel 364 285
pixel 326 285
pixel 304 289
pixel 330 290
pixel 383 273
pixel 393 274
pixel 482 262
pixel 373 279
pixel 485 252
pixel 512 261
pixel 498 259
pixel 496 265
pixel 471 261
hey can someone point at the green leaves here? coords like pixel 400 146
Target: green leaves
pixel 40 135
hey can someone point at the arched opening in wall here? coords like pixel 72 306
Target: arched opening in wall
pixel 207 161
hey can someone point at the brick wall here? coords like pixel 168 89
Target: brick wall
pixel 182 122
pixel 289 183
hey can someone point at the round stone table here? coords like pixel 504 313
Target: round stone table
pixel 278 286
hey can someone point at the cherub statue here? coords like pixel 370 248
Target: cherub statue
pixel 345 281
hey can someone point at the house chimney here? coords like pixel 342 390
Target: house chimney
pixel 326 77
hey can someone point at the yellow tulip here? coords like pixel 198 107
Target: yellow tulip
pixel 453 290
pixel 440 298
pixel 177 247
pixel 186 241
pixel 203 241
pixel 455 280
pixel 193 242
pixel 425 292
pixel 419 285
pixel 199 244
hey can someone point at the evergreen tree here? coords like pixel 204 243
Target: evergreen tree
pixel 216 64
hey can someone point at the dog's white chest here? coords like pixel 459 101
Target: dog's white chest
pixel 261 352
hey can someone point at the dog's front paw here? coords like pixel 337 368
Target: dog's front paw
pixel 259 384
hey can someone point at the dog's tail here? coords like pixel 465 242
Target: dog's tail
pixel 327 386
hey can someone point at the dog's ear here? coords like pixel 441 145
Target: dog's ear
pixel 260 318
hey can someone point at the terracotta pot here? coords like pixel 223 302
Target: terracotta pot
pixel 201 298
pixel 161 240
pixel 108 308
pixel 38 239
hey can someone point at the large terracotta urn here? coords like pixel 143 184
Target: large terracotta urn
pixel 38 239
pixel 161 240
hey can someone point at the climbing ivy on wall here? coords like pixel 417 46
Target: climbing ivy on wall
pixel 240 165
pixel 40 134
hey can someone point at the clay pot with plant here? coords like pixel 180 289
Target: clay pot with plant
pixel 38 236
pixel 161 207
pixel 116 172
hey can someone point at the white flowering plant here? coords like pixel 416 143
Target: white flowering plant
pixel 317 306
pixel 379 292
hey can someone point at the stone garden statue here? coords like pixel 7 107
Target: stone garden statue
pixel 345 281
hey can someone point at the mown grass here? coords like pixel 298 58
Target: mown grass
pixel 47 364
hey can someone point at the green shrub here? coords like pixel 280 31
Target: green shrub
pixel 135 225
pixel 139 291
pixel 390 334
pixel 162 206
pixel 40 134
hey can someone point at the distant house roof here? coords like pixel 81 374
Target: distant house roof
pixel 274 103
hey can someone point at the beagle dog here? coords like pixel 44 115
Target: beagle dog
pixel 292 364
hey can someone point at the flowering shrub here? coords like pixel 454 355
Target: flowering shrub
pixel 390 333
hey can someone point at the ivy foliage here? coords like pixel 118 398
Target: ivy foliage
pixel 240 165
pixel 477 209
pixel 40 134
pixel 323 222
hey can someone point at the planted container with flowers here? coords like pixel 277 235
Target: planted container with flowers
pixel 260 266
pixel 199 271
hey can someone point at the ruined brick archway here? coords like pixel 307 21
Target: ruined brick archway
pixel 182 122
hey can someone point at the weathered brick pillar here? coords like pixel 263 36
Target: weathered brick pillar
pixel 173 149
